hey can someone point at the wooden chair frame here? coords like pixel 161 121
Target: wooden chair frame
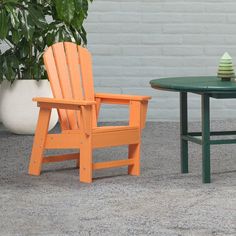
pixel 88 136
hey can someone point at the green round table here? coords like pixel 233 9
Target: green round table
pixel 207 87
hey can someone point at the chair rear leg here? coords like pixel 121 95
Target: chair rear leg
pixel 86 159
pixel 134 153
pixel 39 142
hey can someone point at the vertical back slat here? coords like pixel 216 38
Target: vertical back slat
pixel 86 72
pixel 87 77
pixel 55 84
pixel 74 69
pixel 64 77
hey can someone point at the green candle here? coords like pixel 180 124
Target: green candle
pixel 226 68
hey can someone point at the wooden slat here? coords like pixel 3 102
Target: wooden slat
pixel 63 141
pixel 73 62
pixel 59 106
pixel 112 164
pixel 74 70
pixel 74 131
pixel 64 77
pixel 64 101
pixel 122 96
pixel 86 72
pixel 115 101
pixel 105 129
pixel 55 84
pixel 87 77
pixel 116 138
pixel 58 158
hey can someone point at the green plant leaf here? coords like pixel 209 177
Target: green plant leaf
pixel 85 7
pixel 36 70
pixel 1 71
pixel 13 13
pixel 23 50
pixel 10 1
pixel 8 70
pixel 4 28
pixel 14 62
pixel 16 36
pixel 37 16
pixel 65 10
pixel 78 20
pixel 27 24
pixel 83 35
pixel 77 37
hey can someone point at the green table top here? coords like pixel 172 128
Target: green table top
pixel 201 84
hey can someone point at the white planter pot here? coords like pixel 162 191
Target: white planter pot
pixel 19 113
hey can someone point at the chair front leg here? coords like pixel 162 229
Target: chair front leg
pixel 137 118
pixel 39 141
pixel 86 159
pixel 86 148
pixel 134 153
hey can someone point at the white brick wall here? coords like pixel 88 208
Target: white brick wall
pixel 134 41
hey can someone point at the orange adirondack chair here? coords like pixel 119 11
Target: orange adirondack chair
pixel 69 69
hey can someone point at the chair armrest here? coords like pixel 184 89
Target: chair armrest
pixel 119 98
pixel 71 104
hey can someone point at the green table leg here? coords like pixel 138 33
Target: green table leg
pixel 183 131
pixel 206 168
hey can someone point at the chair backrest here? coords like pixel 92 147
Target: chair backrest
pixel 69 69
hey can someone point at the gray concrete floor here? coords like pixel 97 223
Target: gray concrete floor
pixel 159 202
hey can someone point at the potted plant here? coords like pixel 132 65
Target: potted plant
pixel 27 27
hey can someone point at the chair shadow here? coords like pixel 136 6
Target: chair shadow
pixel 74 168
pixel 25 181
pixel 223 172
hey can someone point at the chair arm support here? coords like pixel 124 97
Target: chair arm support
pixel 137 113
pixel 70 104
pixel 138 106
pixel 119 98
